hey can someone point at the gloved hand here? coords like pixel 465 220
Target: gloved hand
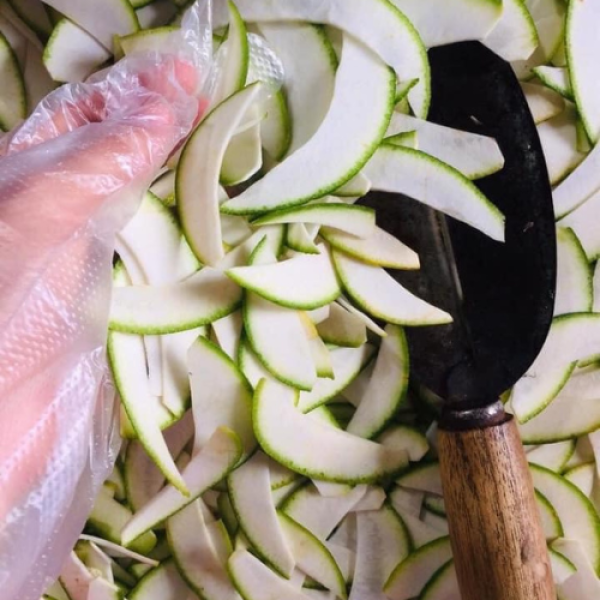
pixel 70 177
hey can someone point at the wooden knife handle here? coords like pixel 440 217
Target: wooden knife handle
pixel 495 527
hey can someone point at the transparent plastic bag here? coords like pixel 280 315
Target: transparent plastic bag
pixel 70 177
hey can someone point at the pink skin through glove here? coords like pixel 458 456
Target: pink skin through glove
pixel 70 177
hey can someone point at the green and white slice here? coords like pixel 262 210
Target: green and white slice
pixel 149 40
pixel 284 283
pixel 425 478
pixel 443 585
pixel 558 137
pixel 38 83
pixel 582 222
pixel 207 468
pixel 250 365
pixel 56 592
pixel 441 22
pixel 236 54
pixel 221 395
pixel 543 102
pixel 515 36
pixel 411 576
pixel 350 218
pixel 380 295
pixel 228 333
pixel 243 157
pixel 342 328
pixel 406 438
pixel 195 556
pixel 276 127
pixel 116 18
pixel 574 285
pixel 551 524
pixel 474 155
pixel 309 63
pixel 577 514
pixel 250 495
pixel 312 556
pixel 277 334
pixel 571 338
pixel 321 514
pixel 128 364
pixel 562 567
pixel 556 79
pixel 581 184
pixel 108 517
pixel 13 103
pixel 346 364
pixel 551 456
pixel 75 577
pixel 387 387
pixel 299 237
pixel 143 479
pixel 198 172
pixel 380 248
pixel 159 13
pixel 101 589
pixel 585 582
pixel 314 449
pixel 581 44
pixel 432 182
pixel 255 581
pixel 162 583
pixel 583 476
pixel 379 25
pixel 381 544
pixel 357 187
pixel 202 298
pixel 350 133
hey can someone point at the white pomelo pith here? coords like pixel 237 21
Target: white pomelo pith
pixel 204 297
pixel 255 581
pixel 164 583
pixel 574 412
pixel 381 543
pixel 250 494
pixel 376 292
pixel 571 338
pixel 300 239
pixel 387 387
pixel 309 63
pixel 275 128
pixel 353 219
pixel 347 364
pixel 342 328
pixel 582 43
pixel 515 36
pixel 195 555
pixel 576 513
pixel 221 395
pixel 116 17
pixel 314 449
pixel 349 134
pixel 235 64
pixel 557 79
pixel 407 438
pixel 150 40
pixel 379 25
pixel 412 574
pixel 277 335
pixel 425 478
pixel 380 248
pixel 143 479
pixel 211 465
pixel 72 54
pixel 558 137
pixel 286 283
pixel 543 102
pixel 357 187
pixel 574 289
pixel 473 155
pixel 197 180
pixel 13 104
pixel 443 585
pixel 442 22
pixel 320 514
pixel 312 556
pixel 243 157
pixel 428 180
pixel 551 456
pixel 551 524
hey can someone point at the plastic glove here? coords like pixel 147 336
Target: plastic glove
pixel 70 177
